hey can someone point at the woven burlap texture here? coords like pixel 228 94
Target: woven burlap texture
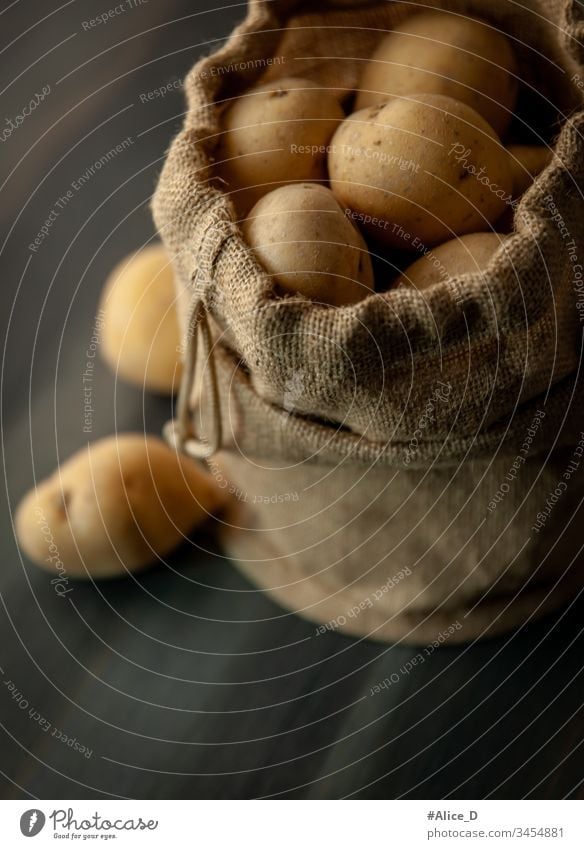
pixel 360 379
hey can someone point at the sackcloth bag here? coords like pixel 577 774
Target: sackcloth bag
pixel 407 468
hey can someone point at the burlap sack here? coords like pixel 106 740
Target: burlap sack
pixel 409 467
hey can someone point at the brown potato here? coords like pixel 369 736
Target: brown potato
pixel 420 170
pixel 527 162
pixel 438 53
pixel 303 239
pixel 275 134
pixel 140 335
pixel 466 255
pixel 114 507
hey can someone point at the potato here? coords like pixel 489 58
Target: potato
pixel 527 161
pixel 114 507
pixel 438 53
pixel 421 169
pixel 303 239
pixel 140 334
pixel 275 134
pixel 466 255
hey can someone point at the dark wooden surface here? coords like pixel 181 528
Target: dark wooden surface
pixel 185 682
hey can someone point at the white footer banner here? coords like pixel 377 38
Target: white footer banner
pixel 294 824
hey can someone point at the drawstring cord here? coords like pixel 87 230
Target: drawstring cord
pixel 179 432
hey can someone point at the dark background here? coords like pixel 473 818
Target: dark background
pixel 185 682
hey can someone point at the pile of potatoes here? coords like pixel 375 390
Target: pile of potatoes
pixel 418 166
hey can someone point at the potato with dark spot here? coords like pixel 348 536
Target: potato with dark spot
pixel 467 255
pixel 439 53
pixel 421 169
pixel 275 134
pixel 302 237
pixel 140 336
pixel 527 162
pixel 114 507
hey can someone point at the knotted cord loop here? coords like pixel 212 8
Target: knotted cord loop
pixel 179 432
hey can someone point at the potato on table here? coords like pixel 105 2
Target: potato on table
pixel 115 506
pixel 438 53
pixel 274 134
pixel 427 167
pixel 141 335
pixel 309 245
